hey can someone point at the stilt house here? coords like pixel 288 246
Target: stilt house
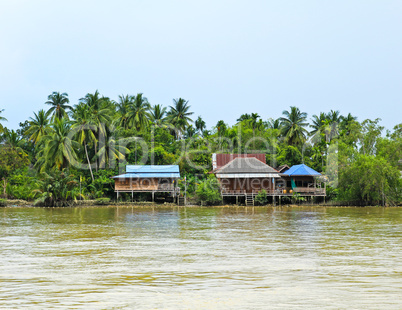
pixel 151 178
pixel 303 180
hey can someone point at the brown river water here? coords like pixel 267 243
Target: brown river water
pixel 200 258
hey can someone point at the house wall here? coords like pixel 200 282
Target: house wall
pixel 147 184
pixel 246 184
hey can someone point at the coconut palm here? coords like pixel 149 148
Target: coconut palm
pixel 12 139
pixel 101 114
pixel 317 123
pixel 244 117
pixel 293 126
pixel 84 125
pixel 100 109
pixel 334 119
pixel 111 150
pixel 221 128
pixel 200 124
pixel 190 132
pixel 137 114
pixel 2 119
pixel 57 149
pixel 179 114
pixel 274 123
pixel 59 103
pixel 157 115
pixel 253 121
pixel 346 121
pixel 122 110
pixel 38 126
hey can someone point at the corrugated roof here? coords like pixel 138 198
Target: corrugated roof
pixel 301 170
pixel 245 165
pixel 223 159
pixel 147 175
pixel 152 169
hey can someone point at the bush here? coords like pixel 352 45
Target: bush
pixel 261 198
pixel 3 203
pixel 208 191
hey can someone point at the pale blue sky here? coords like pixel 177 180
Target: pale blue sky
pixel 225 57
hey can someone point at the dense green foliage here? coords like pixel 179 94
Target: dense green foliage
pixel 261 198
pixel 208 191
pixel 69 152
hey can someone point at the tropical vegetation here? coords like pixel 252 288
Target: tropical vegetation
pixel 67 152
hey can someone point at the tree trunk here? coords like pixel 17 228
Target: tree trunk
pixel 5 186
pixel 89 164
pixel 96 151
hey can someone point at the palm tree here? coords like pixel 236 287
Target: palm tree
pixel 2 119
pixel 244 117
pixel 100 109
pixel 179 114
pixel 59 103
pixel 190 131
pixel 38 126
pixel 200 124
pixel 253 121
pixel 57 149
pixel 274 123
pixel 12 139
pixel 346 121
pixel 111 150
pixel 85 125
pixel 122 110
pixel 221 128
pixel 334 119
pixel 137 115
pixel 293 126
pixel 317 123
pixel 157 115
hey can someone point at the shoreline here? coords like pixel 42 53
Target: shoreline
pixel 137 204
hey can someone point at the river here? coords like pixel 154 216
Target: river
pixel 201 258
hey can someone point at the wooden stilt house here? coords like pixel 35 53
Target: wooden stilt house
pixel 150 178
pixel 246 175
pixel 303 180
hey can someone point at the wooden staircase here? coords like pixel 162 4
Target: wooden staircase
pixel 180 201
pixel 249 200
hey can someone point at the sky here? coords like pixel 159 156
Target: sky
pixel 226 57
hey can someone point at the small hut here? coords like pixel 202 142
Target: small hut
pixel 303 180
pixel 148 178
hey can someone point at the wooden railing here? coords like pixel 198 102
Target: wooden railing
pixel 300 190
pixel 147 188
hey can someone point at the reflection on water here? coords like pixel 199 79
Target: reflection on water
pixel 201 258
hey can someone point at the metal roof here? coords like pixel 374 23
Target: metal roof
pixel 147 175
pixel 152 169
pixel 301 170
pixel 246 166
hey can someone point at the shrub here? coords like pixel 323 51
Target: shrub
pixel 261 198
pixel 208 191
pixel 2 203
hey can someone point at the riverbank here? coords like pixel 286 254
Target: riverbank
pixel 91 203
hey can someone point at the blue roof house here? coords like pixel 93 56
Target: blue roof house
pixel 303 180
pixel 148 178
